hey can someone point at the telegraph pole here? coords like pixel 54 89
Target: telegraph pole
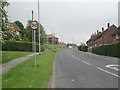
pixel 32 25
pixel 54 40
pixel 52 37
pixel 32 34
pixel 39 27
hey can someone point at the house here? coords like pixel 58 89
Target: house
pixel 51 39
pixel 103 37
pixel 14 26
pixel 116 35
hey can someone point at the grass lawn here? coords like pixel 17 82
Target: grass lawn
pixel 0 82
pixel 10 55
pixel 57 48
pixel 26 75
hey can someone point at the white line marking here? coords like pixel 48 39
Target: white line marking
pixel 113 67
pixel 86 62
pixel 72 80
pixel 108 72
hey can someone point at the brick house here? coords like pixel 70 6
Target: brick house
pixel 103 37
pixel 14 26
pixel 51 39
pixel 117 35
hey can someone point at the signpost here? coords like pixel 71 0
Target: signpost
pixel 34 26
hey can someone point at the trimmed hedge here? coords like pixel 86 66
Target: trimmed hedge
pixel 20 46
pixel 108 50
pixel 83 48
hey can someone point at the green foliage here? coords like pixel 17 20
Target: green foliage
pixel 10 55
pixel 83 47
pixel 28 32
pixel 20 46
pixel 108 50
pixel 26 75
pixel 20 25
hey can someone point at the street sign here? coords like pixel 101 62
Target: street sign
pixel 34 25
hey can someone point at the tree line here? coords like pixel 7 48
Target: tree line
pixel 9 34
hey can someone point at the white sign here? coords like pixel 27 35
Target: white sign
pixel 34 25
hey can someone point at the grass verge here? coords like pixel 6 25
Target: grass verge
pixel 10 55
pixel 26 75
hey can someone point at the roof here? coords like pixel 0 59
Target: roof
pixel 98 35
pixel 14 26
pixel 51 36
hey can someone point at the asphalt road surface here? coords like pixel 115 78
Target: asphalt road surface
pixel 75 69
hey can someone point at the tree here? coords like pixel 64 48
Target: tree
pixel 28 33
pixel 4 19
pixel 7 33
pixel 82 47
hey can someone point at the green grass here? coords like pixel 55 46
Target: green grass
pixel 26 75
pixel 10 55
pixel 0 82
pixel 57 48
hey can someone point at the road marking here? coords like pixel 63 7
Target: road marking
pixel 72 80
pixel 113 67
pixel 108 72
pixel 86 62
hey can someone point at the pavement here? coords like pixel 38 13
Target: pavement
pixel 75 69
pixel 9 65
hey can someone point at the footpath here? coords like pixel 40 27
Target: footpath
pixel 9 65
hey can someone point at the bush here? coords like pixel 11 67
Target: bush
pixel 108 50
pixel 83 48
pixel 20 46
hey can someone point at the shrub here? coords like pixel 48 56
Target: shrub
pixel 83 48
pixel 20 46
pixel 108 50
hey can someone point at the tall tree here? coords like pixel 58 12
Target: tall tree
pixel 7 33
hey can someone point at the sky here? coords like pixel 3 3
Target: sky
pixel 71 21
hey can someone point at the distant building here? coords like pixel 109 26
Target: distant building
pixel 51 39
pixel 62 43
pixel 108 36
pixel 71 45
pixel 14 26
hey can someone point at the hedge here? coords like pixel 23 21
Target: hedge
pixel 20 46
pixel 83 48
pixel 108 50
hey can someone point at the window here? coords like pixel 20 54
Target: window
pixel 117 36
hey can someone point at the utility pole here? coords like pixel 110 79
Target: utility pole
pixel 52 37
pixel 39 27
pixel 32 34
pixel 54 41
pixel 34 41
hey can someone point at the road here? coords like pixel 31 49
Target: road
pixel 75 69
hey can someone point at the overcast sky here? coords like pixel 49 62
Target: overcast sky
pixel 71 21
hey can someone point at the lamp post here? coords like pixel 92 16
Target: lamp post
pixel 39 27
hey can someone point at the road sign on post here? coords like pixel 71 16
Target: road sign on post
pixel 34 26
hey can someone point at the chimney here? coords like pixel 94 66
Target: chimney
pixel 97 31
pixel 108 25
pixel 102 29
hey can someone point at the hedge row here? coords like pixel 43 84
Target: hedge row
pixel 108 50
pixel 20 46
pixel 83 48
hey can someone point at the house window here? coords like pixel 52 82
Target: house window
pixel 117 36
